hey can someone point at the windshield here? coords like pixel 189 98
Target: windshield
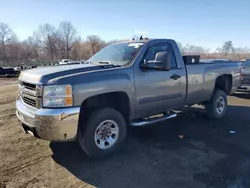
pixel 117 53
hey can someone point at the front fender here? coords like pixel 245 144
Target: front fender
pixel 119 80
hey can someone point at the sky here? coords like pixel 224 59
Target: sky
pixel 207 23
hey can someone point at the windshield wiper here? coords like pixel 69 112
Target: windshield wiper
pixel 87 62
pixel 104 62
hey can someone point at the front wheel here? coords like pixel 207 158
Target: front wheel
pixel 103 133
pixel 216 107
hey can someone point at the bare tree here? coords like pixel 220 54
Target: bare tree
pixel 7 37
pixel 218 50
pixel 227 47
pixel 75 52
pixel 68 37
pixel 30 48
pixel 241 50
pixel 46 36
pixel 93 44
pixel 193 49
pixel 182 50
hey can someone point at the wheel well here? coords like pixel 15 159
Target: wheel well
pixel 116 100
pixel 224 83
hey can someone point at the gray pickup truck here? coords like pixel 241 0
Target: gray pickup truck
pixel 126 83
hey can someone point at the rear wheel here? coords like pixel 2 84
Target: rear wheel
pixel 103 133
pixel 216 107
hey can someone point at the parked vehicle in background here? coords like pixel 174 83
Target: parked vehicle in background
pixel 74 62
pixel 245 76
pixel 69 62
pixel 126 83
pixel 64 61
pixel 17 68
pixel 9 72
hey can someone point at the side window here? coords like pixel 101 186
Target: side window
pixel 159 47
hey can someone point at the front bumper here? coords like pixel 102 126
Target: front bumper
pixel 49 124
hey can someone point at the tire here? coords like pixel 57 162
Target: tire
pixel 211 106
pixel 87 132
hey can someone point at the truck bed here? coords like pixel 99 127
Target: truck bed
pixel 201 79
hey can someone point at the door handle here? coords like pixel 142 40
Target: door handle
pixel 175 76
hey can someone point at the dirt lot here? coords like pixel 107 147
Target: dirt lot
pixel 157 156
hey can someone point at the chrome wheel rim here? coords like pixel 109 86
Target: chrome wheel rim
pixel 220 105
pixel 106 134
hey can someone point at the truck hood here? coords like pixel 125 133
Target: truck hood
pixel 44 74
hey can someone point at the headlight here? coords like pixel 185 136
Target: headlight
pixel 57 96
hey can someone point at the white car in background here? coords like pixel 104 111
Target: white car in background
pixel 73 62
pixel 64 61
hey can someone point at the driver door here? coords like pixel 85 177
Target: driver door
pixel 156 90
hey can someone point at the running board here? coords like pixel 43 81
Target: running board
pixel 152 120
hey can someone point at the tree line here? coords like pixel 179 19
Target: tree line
pixel 50 43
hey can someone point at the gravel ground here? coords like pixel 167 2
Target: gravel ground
pixel 8 81
pixel 189 151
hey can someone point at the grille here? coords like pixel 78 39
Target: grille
pixel 28 86
pixel 29 101
pixel 29 94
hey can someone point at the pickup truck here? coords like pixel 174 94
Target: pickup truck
pixel 128 83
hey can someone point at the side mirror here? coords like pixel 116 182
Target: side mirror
pixel 161 62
